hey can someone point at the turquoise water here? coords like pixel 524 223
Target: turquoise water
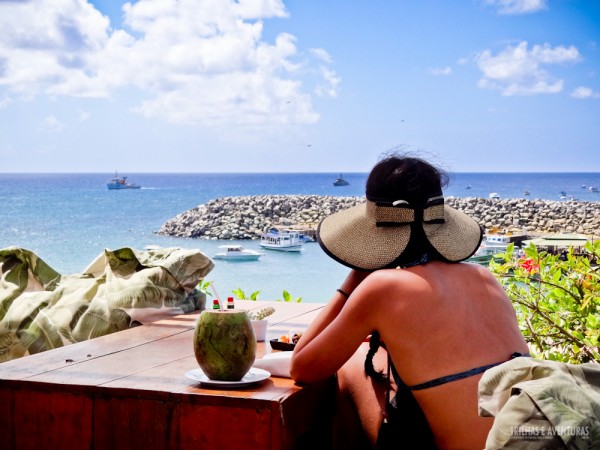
pixel 68 219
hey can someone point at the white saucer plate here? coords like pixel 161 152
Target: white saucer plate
pixel 254 375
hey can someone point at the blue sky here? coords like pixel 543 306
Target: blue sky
pixel 298 85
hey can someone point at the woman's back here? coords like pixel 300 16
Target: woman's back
pixel 437 317
pixel 440 319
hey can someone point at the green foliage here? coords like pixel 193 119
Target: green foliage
pixel 557 300
pixel 204 286
pixel 241 295
pixel 287 297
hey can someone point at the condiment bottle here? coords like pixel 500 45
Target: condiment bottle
pixel 216 304
pixel 230 304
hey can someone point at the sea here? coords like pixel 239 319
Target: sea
pixel 69 219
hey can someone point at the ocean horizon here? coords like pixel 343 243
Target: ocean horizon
pixel 68 219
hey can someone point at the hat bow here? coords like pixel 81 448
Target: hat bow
pixel 388 213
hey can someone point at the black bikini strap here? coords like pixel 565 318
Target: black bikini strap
pixel 457 376
pixel 449 378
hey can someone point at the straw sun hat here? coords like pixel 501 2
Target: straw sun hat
pixel 374 234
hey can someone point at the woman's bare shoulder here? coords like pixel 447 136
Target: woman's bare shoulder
pixel 422 276
pixel 478 269
pixel 384 277
pixel 385 281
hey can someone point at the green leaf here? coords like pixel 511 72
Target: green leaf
pixel 204 286
pixel 240 295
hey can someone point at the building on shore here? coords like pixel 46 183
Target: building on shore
pixel 559 242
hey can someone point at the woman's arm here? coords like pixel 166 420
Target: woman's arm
pixel 336 332
pixel 333 307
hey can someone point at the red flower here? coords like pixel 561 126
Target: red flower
pixel 529 265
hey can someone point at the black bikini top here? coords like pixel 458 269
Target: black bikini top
pixel 448 378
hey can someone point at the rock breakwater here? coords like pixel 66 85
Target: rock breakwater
pixel 248 216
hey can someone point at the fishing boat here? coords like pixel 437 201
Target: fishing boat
pixel 117 183
pixel 233 252
pixel 288 241
pixel 339 181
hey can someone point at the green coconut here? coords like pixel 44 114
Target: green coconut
pixel 224 344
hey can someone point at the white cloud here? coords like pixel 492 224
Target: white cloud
pixel 441 71
pixel 196 61
pixel 52 125
pixel 583 92
pixel 518 6
pixel 329 81
pixel 519 71
pixel 83 116
pixel 44 44
pixel 322 55
pixel 331 85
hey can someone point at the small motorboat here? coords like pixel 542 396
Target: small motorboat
pixel 339 181
pixel 494 195
pixel 235 252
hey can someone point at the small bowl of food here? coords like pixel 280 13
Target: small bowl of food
pixel 285 341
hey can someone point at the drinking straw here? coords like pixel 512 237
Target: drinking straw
pixel 212 286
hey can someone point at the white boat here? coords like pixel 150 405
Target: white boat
pixel 304 238
pixel 494 195
pixel 490 246
pixel 234 252
pixel 495 242
pixel 287 241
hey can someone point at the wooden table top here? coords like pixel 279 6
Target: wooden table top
pixel 153 357
pixel 128 391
